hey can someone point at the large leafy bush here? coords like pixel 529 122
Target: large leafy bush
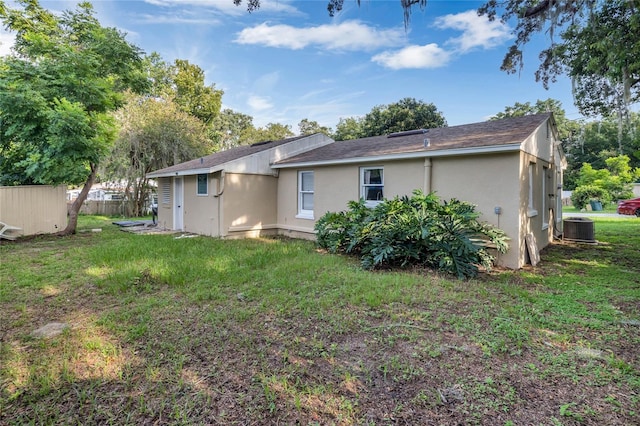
pixel 581 196
pixel 606 185
pixel 418 230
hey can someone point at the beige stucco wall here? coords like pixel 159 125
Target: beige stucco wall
pixel 201 211
pixel 249 205
pixel 37 209
pixel 335 186
pixel 540 221
pixel 487 181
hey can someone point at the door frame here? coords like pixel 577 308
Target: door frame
pixel 178 203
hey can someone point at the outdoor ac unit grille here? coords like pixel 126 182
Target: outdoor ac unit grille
pixel 579 229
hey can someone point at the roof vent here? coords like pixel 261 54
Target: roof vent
pixel 201 160
pixel 427 142
pixel 408 133
pixel 261 143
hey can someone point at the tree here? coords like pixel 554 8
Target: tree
pixel 565 126
pixel 193 95
pixel 348 128
pixel 334 6
pixel 232 129
pixel 160 75
pixel 595 141
pixel 66 75
pixel 406 114
pixel 611 183
pixel 603 58
pixel 598 47
pixel 184 84
pixel 307 127
pixel 271 132
pixel 154 133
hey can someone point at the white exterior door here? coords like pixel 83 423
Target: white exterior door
pixel 178 200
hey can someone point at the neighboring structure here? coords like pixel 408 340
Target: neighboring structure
pixel 99 192
pixel 35 209
pixel 511 169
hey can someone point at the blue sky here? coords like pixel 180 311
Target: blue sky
pixel 289 60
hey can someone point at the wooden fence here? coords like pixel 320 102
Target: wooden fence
pixel 104 207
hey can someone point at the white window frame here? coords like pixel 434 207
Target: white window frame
pixel 302 212
pixel 206 181
pixel 365 186
pixel 531 210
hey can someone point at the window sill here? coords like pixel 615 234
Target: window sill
pixel 532 213
pixel 308 216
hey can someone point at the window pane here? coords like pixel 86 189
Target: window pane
pixel 307 201
pixel 307 181
pixel 373 177
pixel 202 184
pixel 374 193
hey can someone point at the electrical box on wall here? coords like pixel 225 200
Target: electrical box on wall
pixel 497 210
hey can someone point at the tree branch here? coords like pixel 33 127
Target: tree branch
pixel 539 8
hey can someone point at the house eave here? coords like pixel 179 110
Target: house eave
pixel 189 172
pixel 405 156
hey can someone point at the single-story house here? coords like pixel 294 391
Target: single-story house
pixel 511 169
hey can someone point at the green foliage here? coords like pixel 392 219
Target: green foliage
pixel 154 133
pixel 308 127
pixel 66 74
pixel 232 129
pixel 192 95
pixel 417 230
pixel 592 33
pixel 581 196
pixel 348 128
pixel 609 34
pixel 612 183
pixel 271 132
pixel 406 114
pixel 596 141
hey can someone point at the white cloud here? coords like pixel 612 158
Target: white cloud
pixel 350 35
pixel 477 31
pixel 428 56
pixel 259 103
pixel 6 42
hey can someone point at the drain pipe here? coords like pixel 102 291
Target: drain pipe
pixel 217 195
pixel 427 176
pixel 221 185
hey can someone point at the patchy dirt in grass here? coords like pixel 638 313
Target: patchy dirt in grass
pixel 181 362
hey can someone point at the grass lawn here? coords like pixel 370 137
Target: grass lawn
pixel 167 330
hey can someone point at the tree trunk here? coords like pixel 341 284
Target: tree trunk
pixel 72 223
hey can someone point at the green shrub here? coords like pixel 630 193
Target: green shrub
pixel 418 230
pixel 581 196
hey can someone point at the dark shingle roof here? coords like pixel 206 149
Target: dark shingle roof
pixel 477 135
pixel 222 157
